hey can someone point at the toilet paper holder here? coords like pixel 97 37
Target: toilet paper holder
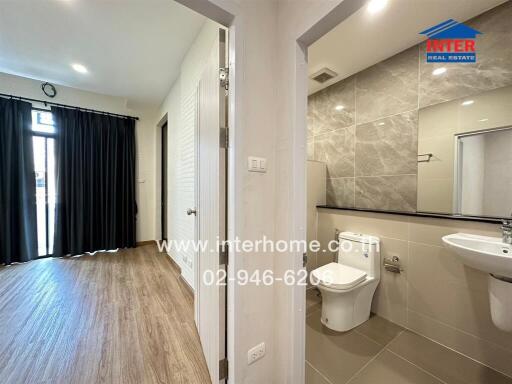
pixel 393 264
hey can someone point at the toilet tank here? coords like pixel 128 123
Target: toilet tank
pixel 360 251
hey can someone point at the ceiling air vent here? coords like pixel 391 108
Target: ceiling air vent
pixel 323 75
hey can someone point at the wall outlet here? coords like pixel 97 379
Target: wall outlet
pixel 256 353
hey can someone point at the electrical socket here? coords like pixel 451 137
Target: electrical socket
pixel 255 353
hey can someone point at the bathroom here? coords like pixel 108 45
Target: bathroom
pixel 407 152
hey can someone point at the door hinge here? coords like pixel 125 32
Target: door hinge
pixel 223 254
pixel 224 137
pixel 304 260
pixel 223 369
pixel 224 78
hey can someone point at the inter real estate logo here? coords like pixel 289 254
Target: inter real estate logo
pixel 451 42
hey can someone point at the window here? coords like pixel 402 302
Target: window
pixel 44 165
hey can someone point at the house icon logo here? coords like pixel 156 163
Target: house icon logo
pixel 451 42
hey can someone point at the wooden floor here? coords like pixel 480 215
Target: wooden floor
pixel 109 318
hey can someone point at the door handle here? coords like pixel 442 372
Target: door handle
pixel 191 211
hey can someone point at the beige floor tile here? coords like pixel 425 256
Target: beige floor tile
pixel 447 365
pixel 313 377
pixel 338 356
pixel 487 353
pixel 388 368
pixel 379 330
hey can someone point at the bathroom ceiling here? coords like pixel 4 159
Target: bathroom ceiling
pixel 131 48
pixel 367 38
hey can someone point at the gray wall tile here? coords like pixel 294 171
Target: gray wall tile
pixel 336 149
pixel 340 192
pixel 388 88
pixel 388 146
pixel 387 92
pixel 332 108
pixel 393 193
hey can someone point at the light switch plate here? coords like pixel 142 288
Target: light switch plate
pixel 256 164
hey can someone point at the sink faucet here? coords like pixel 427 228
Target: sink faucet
pixel 507 231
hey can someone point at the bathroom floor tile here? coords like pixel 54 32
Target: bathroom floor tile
pixel 449 366
pixel 337 355
pixel 388 368
pixel 313 300
pixel 380 330
pixel 313 377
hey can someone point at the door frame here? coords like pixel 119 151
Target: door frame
pixel 302 34
pixel 197 207
pixel 164 201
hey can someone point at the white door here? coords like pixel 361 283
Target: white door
pixel 211 210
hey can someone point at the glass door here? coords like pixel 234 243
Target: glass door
pixel 44 165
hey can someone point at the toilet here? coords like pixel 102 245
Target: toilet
pixel 348 285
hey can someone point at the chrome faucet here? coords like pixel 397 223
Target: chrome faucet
pixel 507 231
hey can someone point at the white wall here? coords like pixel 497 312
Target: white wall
pixel 145 131
pixel 180 106
pixel 270 122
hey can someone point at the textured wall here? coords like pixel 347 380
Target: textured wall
pixel 370 145
pixel 181 108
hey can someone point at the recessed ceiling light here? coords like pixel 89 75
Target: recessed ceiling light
pixel 339 107
pixel 375 6
pixel 381 123
pixel 467 102
pixel 483 120
pixel 439 71
pixel 79 68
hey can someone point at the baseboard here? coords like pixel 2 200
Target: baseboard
pixel 178 269
pixel 187 285
pixel 147 242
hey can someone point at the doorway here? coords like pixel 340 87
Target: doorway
pixel 163 202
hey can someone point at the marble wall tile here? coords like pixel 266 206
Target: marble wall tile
pixel 332 108
pixel 391 193
pixel 388 88
pixel 340 192
pixel 493 68
pixel 388 146
pixel 336 149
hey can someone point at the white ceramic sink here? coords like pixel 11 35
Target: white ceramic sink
pixel 488 254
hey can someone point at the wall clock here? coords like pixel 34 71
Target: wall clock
pixel 49 90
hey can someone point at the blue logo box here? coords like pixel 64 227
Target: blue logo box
pixel 451 57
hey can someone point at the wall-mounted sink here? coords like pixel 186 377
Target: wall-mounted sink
pixel 491 255
pixel 488 254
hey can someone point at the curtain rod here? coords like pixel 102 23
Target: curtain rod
pixel 45 102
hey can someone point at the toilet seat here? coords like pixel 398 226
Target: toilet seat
pixel 338 276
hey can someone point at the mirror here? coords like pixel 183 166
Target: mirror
pixel 465 155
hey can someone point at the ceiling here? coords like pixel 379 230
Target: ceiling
pixel 131 48
pixel 365 39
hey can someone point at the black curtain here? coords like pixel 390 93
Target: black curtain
pixel 96 208
pixel 18 226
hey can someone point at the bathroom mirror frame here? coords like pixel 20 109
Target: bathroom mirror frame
pixel 458 163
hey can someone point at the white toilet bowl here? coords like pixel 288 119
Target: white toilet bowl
pixel 348 307
pixel 348 286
